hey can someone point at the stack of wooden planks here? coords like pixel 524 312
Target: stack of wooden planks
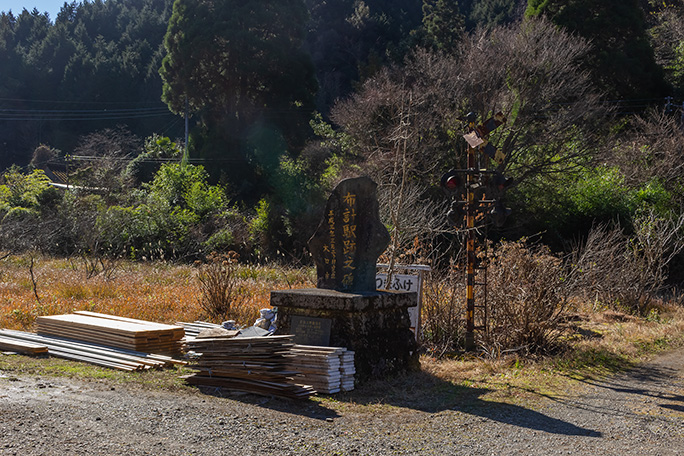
pixel 254 364
pixel 192 329
pixel 100 355
pixel 114 331
pixel 328 369
pixel 347 369
pixel 21 346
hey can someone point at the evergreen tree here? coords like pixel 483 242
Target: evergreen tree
pixel 350 40
pixel 97 57
pixel 240 67
pixel 622 61
pixel 443 24
pixel 495 12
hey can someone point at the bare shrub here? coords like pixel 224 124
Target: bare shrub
pixel 628 272
pixel 442 313
pixel 526 299
pixel 412 113
pixel 104 156
pixel 100 265
pixel 42 155
pixel 652 150
pixel 218 284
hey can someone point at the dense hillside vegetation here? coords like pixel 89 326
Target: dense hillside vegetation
pixel 282 99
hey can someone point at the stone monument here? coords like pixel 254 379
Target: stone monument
pixel 345 310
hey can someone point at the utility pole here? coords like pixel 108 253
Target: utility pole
pixel 184 161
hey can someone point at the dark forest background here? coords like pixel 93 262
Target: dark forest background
pixel 285 98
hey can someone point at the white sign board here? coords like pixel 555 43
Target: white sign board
pixel 403 282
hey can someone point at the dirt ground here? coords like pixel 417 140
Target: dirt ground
pixel 640 412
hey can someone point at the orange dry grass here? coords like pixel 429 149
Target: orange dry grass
pixel 150 291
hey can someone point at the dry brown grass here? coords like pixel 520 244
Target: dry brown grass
pixel 598 343
pixel 150 291
pixel 629 336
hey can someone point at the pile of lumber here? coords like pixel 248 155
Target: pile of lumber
pixel 100 355
pixel 253 364
pixel 114 331
pixel 328 370
pixel 21 346
pixel 347 369
pixel 192 329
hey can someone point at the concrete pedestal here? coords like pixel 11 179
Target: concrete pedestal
pixel 375 325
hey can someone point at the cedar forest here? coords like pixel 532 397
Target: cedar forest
pixel 284 98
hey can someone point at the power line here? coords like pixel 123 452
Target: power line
pixel 30 100
pixel 69 111
pixel 81 118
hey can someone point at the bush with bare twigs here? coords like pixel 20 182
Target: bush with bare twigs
pixel 442 312
pixel 218 285
pixel 628 273
pixel 527 299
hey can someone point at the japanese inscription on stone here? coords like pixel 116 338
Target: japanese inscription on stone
pixel 350 238
pixel 310 330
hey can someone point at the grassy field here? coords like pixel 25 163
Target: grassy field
pixel 158 292
pixel 598 341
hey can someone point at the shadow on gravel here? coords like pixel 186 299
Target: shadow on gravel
pixel 644 381
pixel 423 392
pixel 676 408
pixel 309 409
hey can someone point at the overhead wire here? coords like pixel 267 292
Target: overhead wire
pixel 131 111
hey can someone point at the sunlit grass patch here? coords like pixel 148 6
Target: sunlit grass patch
pixel 165 379
pixel 161 292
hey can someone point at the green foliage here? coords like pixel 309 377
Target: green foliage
pixel 203 199
pixel 563 207
pixel 622 60
pixel 21 190
pixel 143 167
pixel 258 226
pixel 220 241
pixel 186 187
pixel 177 203
pixel 599 193
pixel 653 196
pixel 676 66
pixel 489 13
pixel 154 230
pixel 666 21
pixel 443 24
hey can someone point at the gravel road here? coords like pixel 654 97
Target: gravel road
pixel 637 413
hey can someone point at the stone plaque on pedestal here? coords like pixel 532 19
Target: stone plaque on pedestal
pixel 345 247
pixel 310 330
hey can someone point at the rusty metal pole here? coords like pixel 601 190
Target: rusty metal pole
pixel 470 251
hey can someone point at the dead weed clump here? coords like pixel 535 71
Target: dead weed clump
pixel 527 300
pixel 442 318
pixel 218 285
pixel 628 273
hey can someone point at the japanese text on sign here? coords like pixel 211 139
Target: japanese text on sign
pixel 349 238
pixel 400 282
